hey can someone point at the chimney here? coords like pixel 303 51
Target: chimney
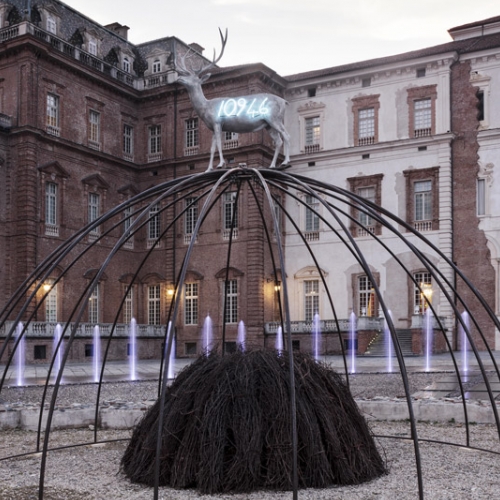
pixel 118 29
pixel 197 47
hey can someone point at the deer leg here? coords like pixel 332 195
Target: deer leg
pixel 217 137
pixel 278 141
pixel 212 153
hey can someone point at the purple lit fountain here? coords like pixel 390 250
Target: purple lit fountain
pixel 352 341
pixel 241 335
pixel 133 349
pixel 21 355
pixel 207 334
pixel 316 336
pixel 97 352
pixel 58 351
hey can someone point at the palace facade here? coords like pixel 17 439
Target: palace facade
pixel 88 120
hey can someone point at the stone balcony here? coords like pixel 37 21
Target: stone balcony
pixel 42 329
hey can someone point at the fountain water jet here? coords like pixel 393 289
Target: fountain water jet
pixel 465 341
pixel 170 371
pixel 352 340
pixel 207 334
pixel 389 345
pixel 241 335
pixel 21 355
pixel 428 334
pixel 279 340
pixel 133 349
pixel 97 352
pixel 316 336
pixel 58 351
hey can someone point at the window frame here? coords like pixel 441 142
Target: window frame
pixel 230 301
pixel 94 136
pixel 311 298
pixel 94 209
pixel 191 133
pixel 154 304
pixel 128 140
pixel 51 301
pixel 416 175
pixel 191 303
pixel 154 222
pixel 424 280
pixel 359 105
pixel 419 94
pixel 53 114
pixel 94 307
pixel 51 204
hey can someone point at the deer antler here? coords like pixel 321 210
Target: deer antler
pixel 182 68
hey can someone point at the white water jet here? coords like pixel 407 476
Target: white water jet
pixel 97 352
pixel 316 336
pixel 133 349
pixel 465 341
pixel 171 359
pixel 279 340
pixel 428 334
pixel 57 351
pixel 352 339
pixel 241 335
pixel 21 355
pixel 389 344
pixel 207 334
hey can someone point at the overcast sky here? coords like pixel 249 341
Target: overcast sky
pixel 292 36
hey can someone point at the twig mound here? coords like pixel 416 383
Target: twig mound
pixel 227 428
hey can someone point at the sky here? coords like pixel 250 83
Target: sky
pixel 293 36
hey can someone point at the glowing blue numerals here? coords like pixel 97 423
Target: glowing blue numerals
pixel 235 107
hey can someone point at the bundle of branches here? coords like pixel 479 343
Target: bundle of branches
pixel 227 428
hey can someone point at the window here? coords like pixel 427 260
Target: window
pixel 94 129
pixel 231 301
pixel 40 352
pixel 50 301
pixel 89 350
pixel 154 303
pixel 422 294
pixel 421 103
pixel 420 72
pixel 423 201
pixel 92 47
pixel 366 297
pixel 481 197
pixel 53 114
pixel 154 142
pixel 422 117
pixel 127 223
pixel 128 305
pixel 191 137
pixel 365 115
pixel 156 66
pixel 312 134
pixel 190 348
pixel 126 65
pixel 366 126
pixel 229 212
pixel 480 105
pixel 370 188
pixel 94 210
pixel 50 204
pixel 311 215
pixel 422 195
pixel 311 299
pixel 94 305
pixel 190 215
pixel 128 141
pixel 311 92
pixel 366 82
pixel 154 222
pixel 365 219
pixel 51 24
pixel 191 303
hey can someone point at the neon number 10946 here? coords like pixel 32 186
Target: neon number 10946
pixel 237 107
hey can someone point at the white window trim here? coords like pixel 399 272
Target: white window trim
pixel 482 83
pixel 311 110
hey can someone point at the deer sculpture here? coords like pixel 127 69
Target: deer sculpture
pixel 234 114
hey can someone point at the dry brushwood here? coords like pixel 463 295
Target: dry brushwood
pixel 227 428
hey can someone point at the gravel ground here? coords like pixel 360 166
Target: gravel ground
pixel 450 473
pixel 93 471
pixel 363 385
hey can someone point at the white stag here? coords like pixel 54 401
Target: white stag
pixel 234 114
